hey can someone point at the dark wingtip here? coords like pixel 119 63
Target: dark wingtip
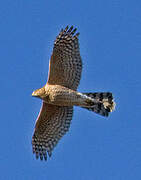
pixel 45 156
pixel 49 153
pixel 37 156
pixel 41 156
pixel 73 31
pixel 77 34
pixel 66 28
pixel 70 29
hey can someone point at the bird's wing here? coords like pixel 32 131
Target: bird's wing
pixel 52 123
pixel 65 64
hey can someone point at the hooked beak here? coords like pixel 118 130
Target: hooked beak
pixel 34 94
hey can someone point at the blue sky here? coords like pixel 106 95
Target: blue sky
pixel 110 44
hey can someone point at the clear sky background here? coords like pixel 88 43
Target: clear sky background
pixel 96 148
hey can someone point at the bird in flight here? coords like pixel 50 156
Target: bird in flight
pixel 60 94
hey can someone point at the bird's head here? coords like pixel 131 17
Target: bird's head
pixel 40 93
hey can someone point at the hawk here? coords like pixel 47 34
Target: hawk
pixel 60 94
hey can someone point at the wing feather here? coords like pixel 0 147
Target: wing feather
pixel 52 123
pixel 66 65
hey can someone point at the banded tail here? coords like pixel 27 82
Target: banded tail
pixel 104 104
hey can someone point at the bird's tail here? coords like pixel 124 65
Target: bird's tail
pixel 102 103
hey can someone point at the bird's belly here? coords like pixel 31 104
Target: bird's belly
pixel 65 99
pixel 63 96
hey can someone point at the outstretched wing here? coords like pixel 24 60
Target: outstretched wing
pixel 65 64
pixel 52 123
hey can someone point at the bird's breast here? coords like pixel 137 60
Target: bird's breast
pixel 61 96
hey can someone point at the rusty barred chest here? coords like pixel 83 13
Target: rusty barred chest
pixel 62 96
